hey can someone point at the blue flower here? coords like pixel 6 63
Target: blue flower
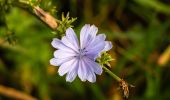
pixel 79 59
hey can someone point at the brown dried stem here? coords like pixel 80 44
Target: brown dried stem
pixel 38 12
pixel 45 17
pixel 124 87
pixel 15 94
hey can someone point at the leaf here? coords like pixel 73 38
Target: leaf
pixel 155 4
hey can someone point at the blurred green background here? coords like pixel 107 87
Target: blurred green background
pixel 138 29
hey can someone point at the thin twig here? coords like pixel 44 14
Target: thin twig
pixel 45 17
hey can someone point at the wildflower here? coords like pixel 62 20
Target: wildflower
pixel 79 59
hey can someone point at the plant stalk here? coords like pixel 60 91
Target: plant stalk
pixel 112 74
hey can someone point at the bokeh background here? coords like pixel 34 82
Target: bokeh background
pixel 138 29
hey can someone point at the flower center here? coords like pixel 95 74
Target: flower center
pixel 81 53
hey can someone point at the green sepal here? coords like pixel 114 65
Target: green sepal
pixel 105 59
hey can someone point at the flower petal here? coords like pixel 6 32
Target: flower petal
pixel 92 69
pixel 82 70
pixel 70 34
pixel 99 38
pixel 71 75
pixel 59 61
pixel 92 56
pixel 71 40
pixel 87 34
pixel 95 67
pixel 56 43
pixel 53 62
pixel 97 43
pixel 67 67
pixel 84 35
pixel 108 46
pixel 95 52
pixel 63 54
pixel 91 77
pixel 96 46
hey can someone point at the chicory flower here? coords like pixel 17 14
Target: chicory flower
pixel 77 59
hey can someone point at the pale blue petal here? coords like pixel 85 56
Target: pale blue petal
pixel 87 34
pixel 67 67
pixel 96 46
pixel 70 34
pixel 70 40
pixel 97 43
pixel 82 70
pixel 63 54
pixel 71 76
pixel 68 43
pixel 84 35
pixel 72 73
pixel 92 56
pixel 53 62
pixel 101 36
pixel 108 46
pixel 95 50
pixel 91 77
pixel 98 38
pixel 59 61
pixel 95 67
pixel 56 43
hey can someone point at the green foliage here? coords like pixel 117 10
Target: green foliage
pixel 64 24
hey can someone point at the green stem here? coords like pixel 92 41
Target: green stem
pixel 112 74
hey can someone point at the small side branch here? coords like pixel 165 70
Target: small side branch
pixel 45 17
